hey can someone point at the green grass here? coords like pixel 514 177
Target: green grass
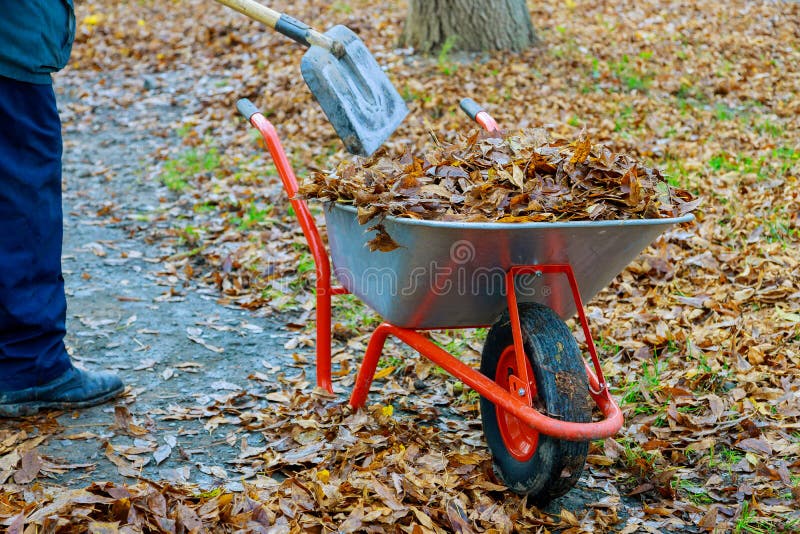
pixel 468 396
pixel 739 163
pixel 604 346
pixel 479 334
pixel 253 217
pixel 792 524
pixel 444 61
pixel 280 299
pixel 723 112
pixel 179 171
pixel 391 361
pixel 675 172
pixel 748 522
pixel 306 263
pixel 409 95
pixel 780 162
pixel 622 121
pixel 702 360
pixel 770 128
pixel 205 207
pixel 457 344
pixel 638 459
pixel 723 457
pixel 184 130
pixel 651 373
pixel 631 74
pixel 745 519
pixel 634 391
pixel 189 235
pixel 779 227
pixel 692 491
pixel 629 393
pixel 342 7
pixel 721 161
pixel 788 157
pixel 353 314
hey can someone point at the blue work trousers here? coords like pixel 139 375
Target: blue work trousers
pixel 32 302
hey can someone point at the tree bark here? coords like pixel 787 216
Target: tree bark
pixel 471 25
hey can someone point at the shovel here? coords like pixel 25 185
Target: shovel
pixel 355 94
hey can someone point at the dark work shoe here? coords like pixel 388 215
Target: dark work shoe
pixel 76 388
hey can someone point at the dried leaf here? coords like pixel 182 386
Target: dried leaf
pixel 124 422
pixel 582 149
pixel 459 521
pixel 382 242
pixel 29 467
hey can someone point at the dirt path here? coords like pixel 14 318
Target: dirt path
pixel 175 347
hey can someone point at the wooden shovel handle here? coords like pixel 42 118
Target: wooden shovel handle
pixel 254 10
pixel 290 27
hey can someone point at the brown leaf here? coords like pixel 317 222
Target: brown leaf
pixel 365 213
pixel 102 527
pixel 459 521
pixel 387 495
pixel 582 149
pixel 124 421
pixel 124 467
pixel 709 520
pixel 423 518
pixel 29 467
pixel 755 445
pixel 568 517
pixel 187 518
pixel 8 464
pixel 632 187
pixel 353 521
pixel 641 488
pixel 658 510
pixel 517 177
pixel 17 524
pixel 382 242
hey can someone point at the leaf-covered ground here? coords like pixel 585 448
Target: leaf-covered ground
pixel 700 336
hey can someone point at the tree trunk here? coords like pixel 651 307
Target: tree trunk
pixel 468 25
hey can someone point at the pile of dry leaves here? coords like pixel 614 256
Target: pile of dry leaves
pixel 519 176
pixel 329 469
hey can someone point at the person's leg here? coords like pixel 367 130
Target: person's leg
pixel 32 300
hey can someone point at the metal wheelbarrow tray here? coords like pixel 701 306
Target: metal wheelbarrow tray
pixel 537 388
pixel 452 274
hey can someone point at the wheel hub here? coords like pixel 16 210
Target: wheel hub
pixel 520 439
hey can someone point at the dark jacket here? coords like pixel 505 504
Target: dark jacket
pixel 35 38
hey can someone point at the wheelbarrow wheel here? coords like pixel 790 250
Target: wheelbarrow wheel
pixel 528 462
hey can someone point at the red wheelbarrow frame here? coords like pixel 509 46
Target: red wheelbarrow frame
pixel 517 400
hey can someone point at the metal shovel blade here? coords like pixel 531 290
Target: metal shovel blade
pixel 355 94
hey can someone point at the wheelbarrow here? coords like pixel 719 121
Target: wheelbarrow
pixel 521 279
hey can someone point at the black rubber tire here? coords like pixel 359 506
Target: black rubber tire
pixel 563 393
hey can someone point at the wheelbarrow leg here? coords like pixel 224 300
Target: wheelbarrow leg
pixel 370 363
pixel 324 334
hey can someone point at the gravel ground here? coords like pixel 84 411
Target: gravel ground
pixel 173 346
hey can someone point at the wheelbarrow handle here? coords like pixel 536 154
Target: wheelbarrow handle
pixel 246 108
pixel 475 112
pixel 288 26
pixel 470 107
